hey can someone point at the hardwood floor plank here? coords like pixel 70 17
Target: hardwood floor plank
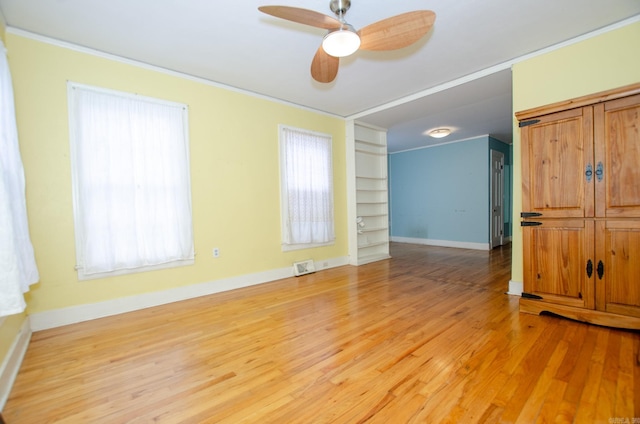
pixel 525 376
pixel 546 390
pixel 574 371
pixel 624 406
pixel 608 382
pixel 586 409
pixel 427 336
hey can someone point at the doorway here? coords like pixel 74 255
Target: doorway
pixel 497 199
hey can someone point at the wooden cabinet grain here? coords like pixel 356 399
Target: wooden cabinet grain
pixel 581 208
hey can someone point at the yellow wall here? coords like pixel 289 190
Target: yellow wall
pixel 600 63
pixel 234 173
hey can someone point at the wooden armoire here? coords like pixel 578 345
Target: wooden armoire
pixel 581 208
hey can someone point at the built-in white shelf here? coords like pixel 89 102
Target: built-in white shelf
pixel 371 192
pixel 368 230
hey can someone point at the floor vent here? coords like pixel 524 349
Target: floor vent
pixel 303 267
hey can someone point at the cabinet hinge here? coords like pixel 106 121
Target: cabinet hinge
pixel 529 122
pixel 530 223
pixel 529 214
pixel 531 296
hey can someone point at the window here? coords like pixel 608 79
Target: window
pixel 306 189
pixel 131 187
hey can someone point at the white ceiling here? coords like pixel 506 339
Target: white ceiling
pixel 457 75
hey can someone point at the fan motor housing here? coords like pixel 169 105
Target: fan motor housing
pixel 340 7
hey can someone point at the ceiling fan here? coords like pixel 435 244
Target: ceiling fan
pixel 342 39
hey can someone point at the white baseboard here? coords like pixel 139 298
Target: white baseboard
pixel 443 243
pixel 73 314
pixel 11 364
pixel 515 288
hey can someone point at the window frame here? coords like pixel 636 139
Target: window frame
pixel 283 194
pixel 77 214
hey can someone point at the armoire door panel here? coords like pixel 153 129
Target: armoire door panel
pixel 618 247
pixel 556 256
pixel 581 208
pixel 617 148
pixel 557 152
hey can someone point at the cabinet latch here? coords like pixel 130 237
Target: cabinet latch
pixel 589 268
pixel 600 269
pixel 589 172
pixel 599 171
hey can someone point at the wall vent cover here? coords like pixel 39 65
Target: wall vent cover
pixel 303 267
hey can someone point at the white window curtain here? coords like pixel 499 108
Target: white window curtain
pixel 306 188
pixel 132 196
pixel 17 262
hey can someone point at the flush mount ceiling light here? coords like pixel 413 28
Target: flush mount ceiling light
pixel 341 42
pixel 439 132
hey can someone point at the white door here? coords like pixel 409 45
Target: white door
pixel 497 198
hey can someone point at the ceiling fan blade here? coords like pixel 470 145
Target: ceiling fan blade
pixel 324 68
pixel 301 16
pixel 396 32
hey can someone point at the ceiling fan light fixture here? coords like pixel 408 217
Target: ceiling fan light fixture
pixel 439 132
pixel 341 42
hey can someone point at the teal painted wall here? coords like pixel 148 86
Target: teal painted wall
pixel 443 192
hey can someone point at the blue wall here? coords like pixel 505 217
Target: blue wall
pixel 442 193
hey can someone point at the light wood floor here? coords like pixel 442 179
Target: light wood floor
pixel 426 337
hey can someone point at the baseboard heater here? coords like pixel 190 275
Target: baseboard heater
pixel 303 267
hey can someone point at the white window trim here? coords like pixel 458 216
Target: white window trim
pixel 283 200
pixel 74 177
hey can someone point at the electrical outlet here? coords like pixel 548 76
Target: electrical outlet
pixel 216 252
